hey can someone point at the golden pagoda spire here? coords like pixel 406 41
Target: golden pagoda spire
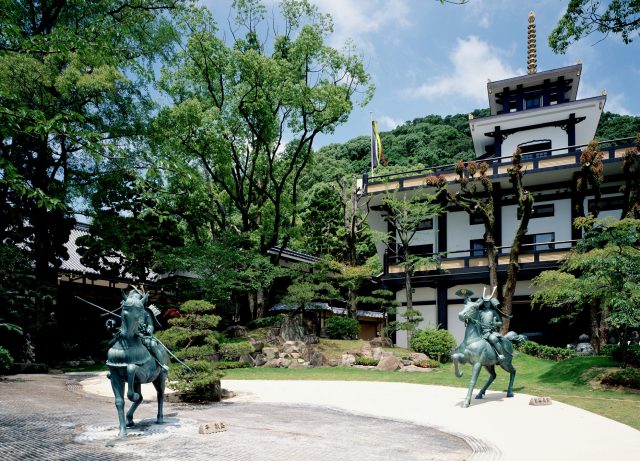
pixel 532 61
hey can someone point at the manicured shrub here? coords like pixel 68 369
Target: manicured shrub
pixel 6 361
pixel 428 363
pixel 230 365
pixel 629 377
pixel 234 350
pixel 366 361
pixel 263 322
pixel 193 338
pixel 338 327
pixel 632 356
pixel 609 349
pixel 545 352
pixel 434 343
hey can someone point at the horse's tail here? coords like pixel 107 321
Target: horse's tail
pixel 515 337
pixel 457 357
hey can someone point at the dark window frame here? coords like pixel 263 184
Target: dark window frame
pixel 532 239
pixel 475 218
pixel 477 248
pixel 615 202
pixel 426 225
pixel 545 210
pixel 535 149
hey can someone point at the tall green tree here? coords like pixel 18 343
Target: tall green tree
pixel 405 212
pixel 600 276
pixel 72 75
pixel 585 17
pixel 247 108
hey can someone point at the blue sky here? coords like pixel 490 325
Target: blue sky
pixel 428 58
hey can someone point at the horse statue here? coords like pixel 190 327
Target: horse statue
pixel 135 358
pixel 482 345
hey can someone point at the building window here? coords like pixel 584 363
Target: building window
pixel 426 225
pixel 607 203
pixel 540 211
pixel 475 218
pixel 421 250
pixel 539 148
pixel 478 248
pixel 532 102
pixel 539 242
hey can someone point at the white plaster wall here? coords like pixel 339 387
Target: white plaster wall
pixel 557 136
pixel 429 312
pixel 560 222
pixel 424 237
pixel 377 222
pixel 460 232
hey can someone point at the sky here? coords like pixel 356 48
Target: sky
pixel 431 58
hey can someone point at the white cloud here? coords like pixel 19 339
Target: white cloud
pixel 357 20
pixel 388 122
pixel 615 102
pixel 474 62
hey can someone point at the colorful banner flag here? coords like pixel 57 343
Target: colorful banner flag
pixel 377 156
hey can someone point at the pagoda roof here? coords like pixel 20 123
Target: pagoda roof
pixel 496 89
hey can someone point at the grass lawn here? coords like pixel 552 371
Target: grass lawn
pixel 568 381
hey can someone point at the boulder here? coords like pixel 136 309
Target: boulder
pixel 247 358
pixel 418 356
pixel 376 353
pixel 347 360
pixel 270 352
pixel 311 339
pixel 389 363
pixel 414 368
pixel 381 342
pixel 260 360
pixel 235 331
pixel 366 350
pixel 257 345
pixel 293 347
pixel 295 364
pixel 278 363
pixel 317 359
pixel 584 349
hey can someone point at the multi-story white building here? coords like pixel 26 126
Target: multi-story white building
pixel 540 114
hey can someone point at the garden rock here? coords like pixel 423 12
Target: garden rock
pixel 376 353
pixel 348 360
pixel 247 358
pixel 311 339
pixel 236 331
pixel 257 345
pixel 418 357
pixel 366 350
pixel 270 352
pixel 317 359
pixel 278 363
pixel 389 363
pixel 291 347
pixel 260 360
pixel 584 349
pixel 381 342
pixel 414 368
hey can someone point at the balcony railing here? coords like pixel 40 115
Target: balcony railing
pixel 614 150
pixel 543 252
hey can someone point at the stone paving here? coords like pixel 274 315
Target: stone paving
pixel 50 417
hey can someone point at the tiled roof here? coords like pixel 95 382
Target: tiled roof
pixel 73 263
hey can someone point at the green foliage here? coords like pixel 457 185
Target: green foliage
pixel 585 17
pixel 427 363
pixel 600 275
pixel 236 97
pixel 627 378
pixel 434 343
pixel 630 356
pixel 545 352
pixel 191 337
pixel 338 327
pixel 233 365
pixel 614 126
pixel 609 349
pixel 366 361
pixel 203 384
pixel 6 361
pixel 233 351
pixel 263 322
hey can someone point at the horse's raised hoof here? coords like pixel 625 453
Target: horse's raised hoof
pixel 133 396
pixel 480 396
pixel 131 423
